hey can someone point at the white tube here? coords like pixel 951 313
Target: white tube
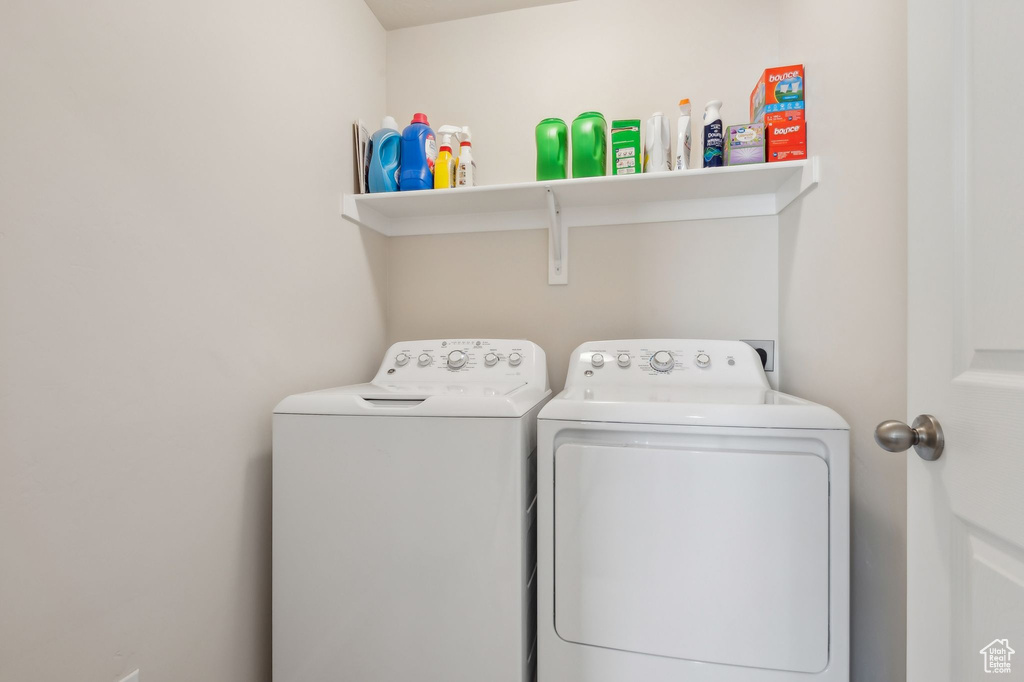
pixel 682 160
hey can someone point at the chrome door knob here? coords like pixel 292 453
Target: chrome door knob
pixel 925 436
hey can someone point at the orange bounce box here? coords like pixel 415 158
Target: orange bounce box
pixel 787 140
pixel 780 89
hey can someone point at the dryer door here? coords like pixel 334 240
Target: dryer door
pixel 717 556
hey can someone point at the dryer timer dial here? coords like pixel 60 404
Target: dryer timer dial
pixel 663 361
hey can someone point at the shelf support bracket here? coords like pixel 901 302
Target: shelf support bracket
pixel 558 241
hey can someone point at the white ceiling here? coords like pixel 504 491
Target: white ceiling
pixel 403 13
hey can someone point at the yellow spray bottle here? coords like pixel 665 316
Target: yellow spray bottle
pixel 444 167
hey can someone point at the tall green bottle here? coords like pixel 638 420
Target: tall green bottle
pixel 589 145
pixel 552 149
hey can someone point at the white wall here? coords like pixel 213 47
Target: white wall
pixel 519 67
pixel 653 281
pixel 622 59
pixel 831 276
pixel 172 264
pixel 843 290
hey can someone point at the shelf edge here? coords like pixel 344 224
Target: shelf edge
pixel 798 185
pixel 356 210
pixel 365 216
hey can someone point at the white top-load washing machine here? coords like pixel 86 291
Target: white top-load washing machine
pixel 404 527
pixel 694 523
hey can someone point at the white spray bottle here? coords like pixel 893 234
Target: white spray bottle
pixel 682 161
pixel 465 165
pixel 656 144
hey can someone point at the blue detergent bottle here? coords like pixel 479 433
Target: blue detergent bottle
pixel 419 151
pixel 385 157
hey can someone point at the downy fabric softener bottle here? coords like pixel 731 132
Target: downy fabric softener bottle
pixel 714 138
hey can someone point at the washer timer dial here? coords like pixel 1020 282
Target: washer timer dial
pixel 457 359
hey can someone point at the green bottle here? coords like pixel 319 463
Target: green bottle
pixel 552 149
pixel 589 145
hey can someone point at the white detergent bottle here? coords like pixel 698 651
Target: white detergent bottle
pixel 683 136
pixel 465 166
pixel 656 146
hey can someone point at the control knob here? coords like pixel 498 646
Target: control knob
pixel 402 359
pixel 703 360
pixel 491 359
pixel 663 361
pixel 515 359
pixel 597 360
pixel 623 359
pixel 424 359
pixel 457 359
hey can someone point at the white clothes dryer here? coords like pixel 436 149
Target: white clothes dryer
pixel 404 516
pixel 694 523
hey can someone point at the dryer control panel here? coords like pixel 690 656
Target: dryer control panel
pixel 463 360
pixel 665 362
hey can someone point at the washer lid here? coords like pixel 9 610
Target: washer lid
pixel 696 382
pixel 440 378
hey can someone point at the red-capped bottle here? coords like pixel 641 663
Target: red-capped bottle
pixel 419 151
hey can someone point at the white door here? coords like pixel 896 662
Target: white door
pixel 965 527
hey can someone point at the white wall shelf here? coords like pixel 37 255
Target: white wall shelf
pixel 731 192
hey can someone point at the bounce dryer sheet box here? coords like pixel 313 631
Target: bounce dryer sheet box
pixel 780 89
pixel 777 117
pixel 626 147
pixel 787 140
pixel 744 144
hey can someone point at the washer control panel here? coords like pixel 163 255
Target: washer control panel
pixel 463 359
pixel 665 362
